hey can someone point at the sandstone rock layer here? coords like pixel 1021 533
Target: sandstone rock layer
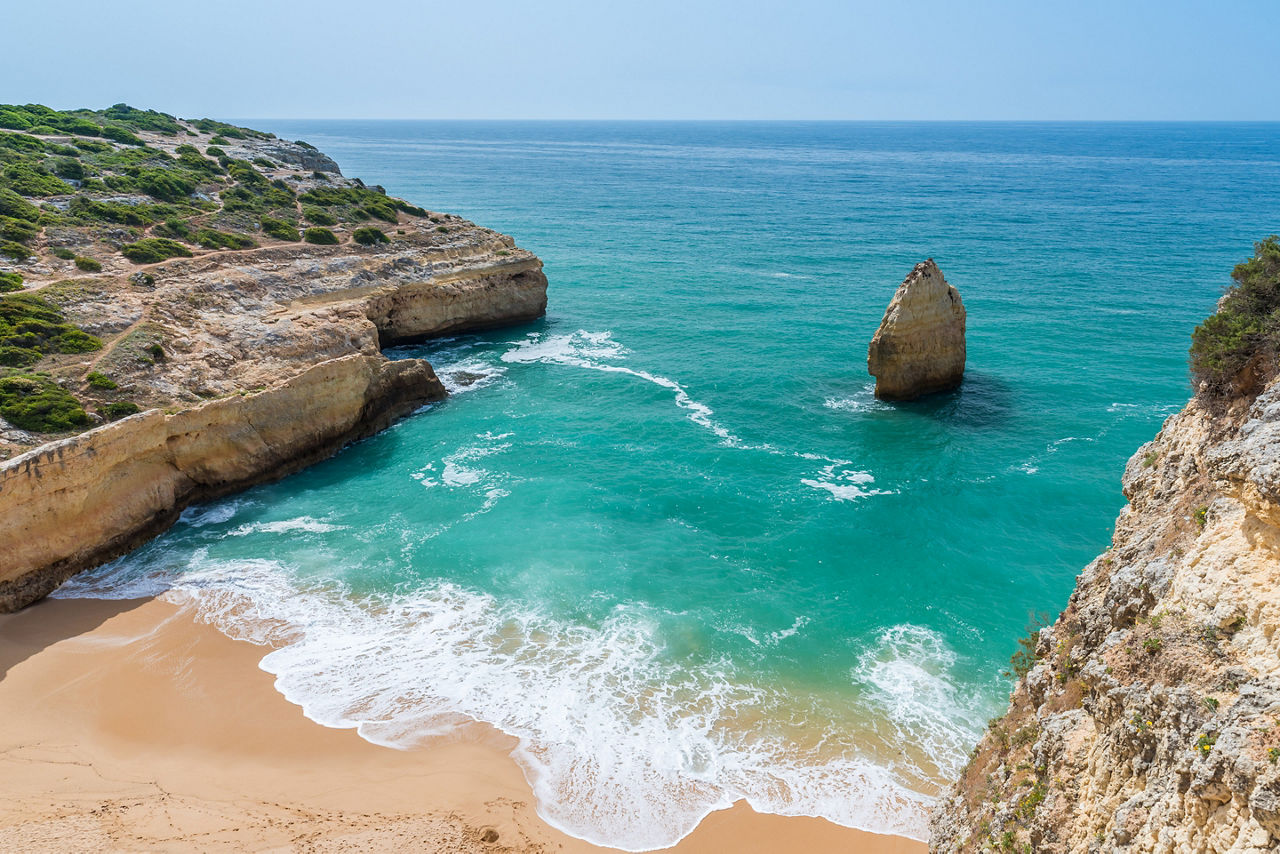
pixel 249 366
pixel 919 348
pixel 1149 720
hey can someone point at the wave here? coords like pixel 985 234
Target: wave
pixel 591 350
pixel 302 524
pixel 597 350
pixel 623 743
pixel 907 670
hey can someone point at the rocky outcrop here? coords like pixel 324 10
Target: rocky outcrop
pixel 920 346
pixel 78 502
pixel 1149 718
pixel 248 364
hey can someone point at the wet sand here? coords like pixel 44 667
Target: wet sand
pixel 130 726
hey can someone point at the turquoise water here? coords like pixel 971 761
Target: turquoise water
pixel 666 536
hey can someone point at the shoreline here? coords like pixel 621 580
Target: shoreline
pixel 131 725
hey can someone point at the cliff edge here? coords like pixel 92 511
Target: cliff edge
pixel 1147 717
pixel 178 325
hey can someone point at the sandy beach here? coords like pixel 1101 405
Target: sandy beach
pixel 129 726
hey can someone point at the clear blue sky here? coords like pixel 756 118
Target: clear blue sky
pixel 677 59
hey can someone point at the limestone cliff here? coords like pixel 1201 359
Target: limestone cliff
pixel 1149 717
pixel 243 364
pixel 920 346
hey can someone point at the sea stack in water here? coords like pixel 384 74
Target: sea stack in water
pixel 919 347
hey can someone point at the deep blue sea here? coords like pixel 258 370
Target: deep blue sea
pixel 666 536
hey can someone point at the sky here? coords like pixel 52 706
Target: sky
pixel 659 59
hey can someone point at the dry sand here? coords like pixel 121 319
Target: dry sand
pixel 128 726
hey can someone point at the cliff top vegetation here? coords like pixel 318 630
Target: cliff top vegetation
pixel 93 200
pixel 1235 350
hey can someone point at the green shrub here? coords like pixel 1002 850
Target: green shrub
pixel 214 151
pixel 219 139
pixel 77 341
pixel 19 357
pixel 66 167
pixel 143 119
pixel 91 211
pixel 1246 327
pixel 191 158
pixel 1021 662
pixel 279 229
pixel 92 145
pixel 18 229
pixel 35 402
pixel 101 381
pixel 265 163
pixel 89 265
pixel 319 216
pixel 211 239
pixel 412 210
pixel 16 251
pixel 13 205
pixel 120 409
pixel 368 236
pixel 26 180
pixel 175 228
pixel 152 249
pixel 10 282
pixel 10 118
pixel 167 185
pixel 321 236
pixel 31 323
pixel 62 252
pixel 119 134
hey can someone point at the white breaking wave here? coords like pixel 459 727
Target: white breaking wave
pixel 199 515
pixel 908 671
pixel 592 350
pixel 845 485
pixel 623 744
pixel 584 349
pixel 304 524
pixel 468 375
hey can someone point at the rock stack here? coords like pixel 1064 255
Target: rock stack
pixel 919 348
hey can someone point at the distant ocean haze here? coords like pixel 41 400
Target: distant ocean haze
pixel 667 536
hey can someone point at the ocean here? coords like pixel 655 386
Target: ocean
pixel 667 537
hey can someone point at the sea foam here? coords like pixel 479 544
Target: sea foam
pixel 624 744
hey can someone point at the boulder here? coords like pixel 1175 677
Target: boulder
pixel 919 348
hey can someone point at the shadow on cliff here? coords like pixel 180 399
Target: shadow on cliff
pixel 39 626
pixel 983 402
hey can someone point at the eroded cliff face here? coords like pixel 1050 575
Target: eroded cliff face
pixel 248 365
pixel 920 346
pixel 1150 720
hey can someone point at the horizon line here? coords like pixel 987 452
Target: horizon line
pixel 750 120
